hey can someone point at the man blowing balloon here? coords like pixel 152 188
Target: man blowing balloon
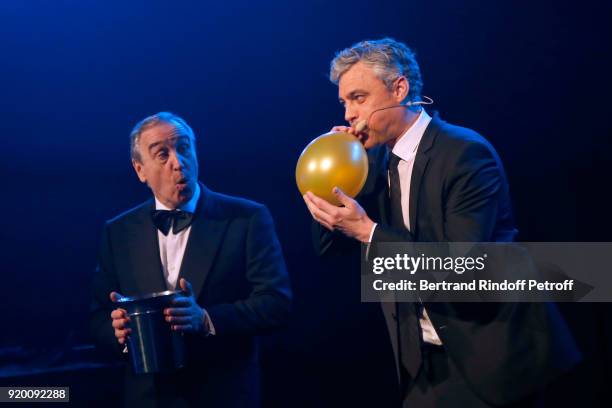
pixel 429 181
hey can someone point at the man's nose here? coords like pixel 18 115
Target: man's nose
pixel 350 115
pixel 176 160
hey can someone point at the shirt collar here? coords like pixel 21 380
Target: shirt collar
pixel 407 144
pixel 189 206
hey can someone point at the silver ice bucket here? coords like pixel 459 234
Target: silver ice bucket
pixel 152 346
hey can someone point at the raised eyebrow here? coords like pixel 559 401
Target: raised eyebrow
pixel 155 144
pixel 174 139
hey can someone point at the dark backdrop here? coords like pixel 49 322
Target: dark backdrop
pixel 250 77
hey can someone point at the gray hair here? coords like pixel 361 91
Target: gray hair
pixel 151 121
pixel 388 58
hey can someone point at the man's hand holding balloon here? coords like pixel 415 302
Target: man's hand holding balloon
pixel 351 219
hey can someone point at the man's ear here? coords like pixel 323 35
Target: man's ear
pixel 402 87
pixel 139 170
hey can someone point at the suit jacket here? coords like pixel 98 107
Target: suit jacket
pixel 459 193
pixel 234 262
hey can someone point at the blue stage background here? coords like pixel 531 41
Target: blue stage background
pixel 250 78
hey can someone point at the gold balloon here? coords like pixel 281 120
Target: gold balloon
pixel 335 159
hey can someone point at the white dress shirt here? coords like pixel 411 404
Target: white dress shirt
pixel 406 148
pixel 172 246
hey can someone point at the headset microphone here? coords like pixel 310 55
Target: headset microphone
pixel 363 124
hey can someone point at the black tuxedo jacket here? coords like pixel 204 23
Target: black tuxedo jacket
pixel 234 262
pixel 459 193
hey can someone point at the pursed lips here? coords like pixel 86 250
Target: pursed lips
pixel 181 183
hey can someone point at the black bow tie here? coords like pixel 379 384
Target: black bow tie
pixel 164 219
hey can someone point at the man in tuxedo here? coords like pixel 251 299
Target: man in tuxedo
pixel 430 181
pixel 221 250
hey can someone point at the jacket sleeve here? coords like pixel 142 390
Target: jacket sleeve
pixel 268 304
pixel 104 282
pixel 327 243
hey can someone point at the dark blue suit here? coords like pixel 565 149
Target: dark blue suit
pixel 459 193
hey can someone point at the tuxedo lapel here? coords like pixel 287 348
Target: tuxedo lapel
pixel 144 253
pixel 418 170
pixel 205 238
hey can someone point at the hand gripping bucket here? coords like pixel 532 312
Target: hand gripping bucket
pixel 152 346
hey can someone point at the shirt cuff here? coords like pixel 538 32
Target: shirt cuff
pixel 372 234
pixel 370 241
pixel 210 327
